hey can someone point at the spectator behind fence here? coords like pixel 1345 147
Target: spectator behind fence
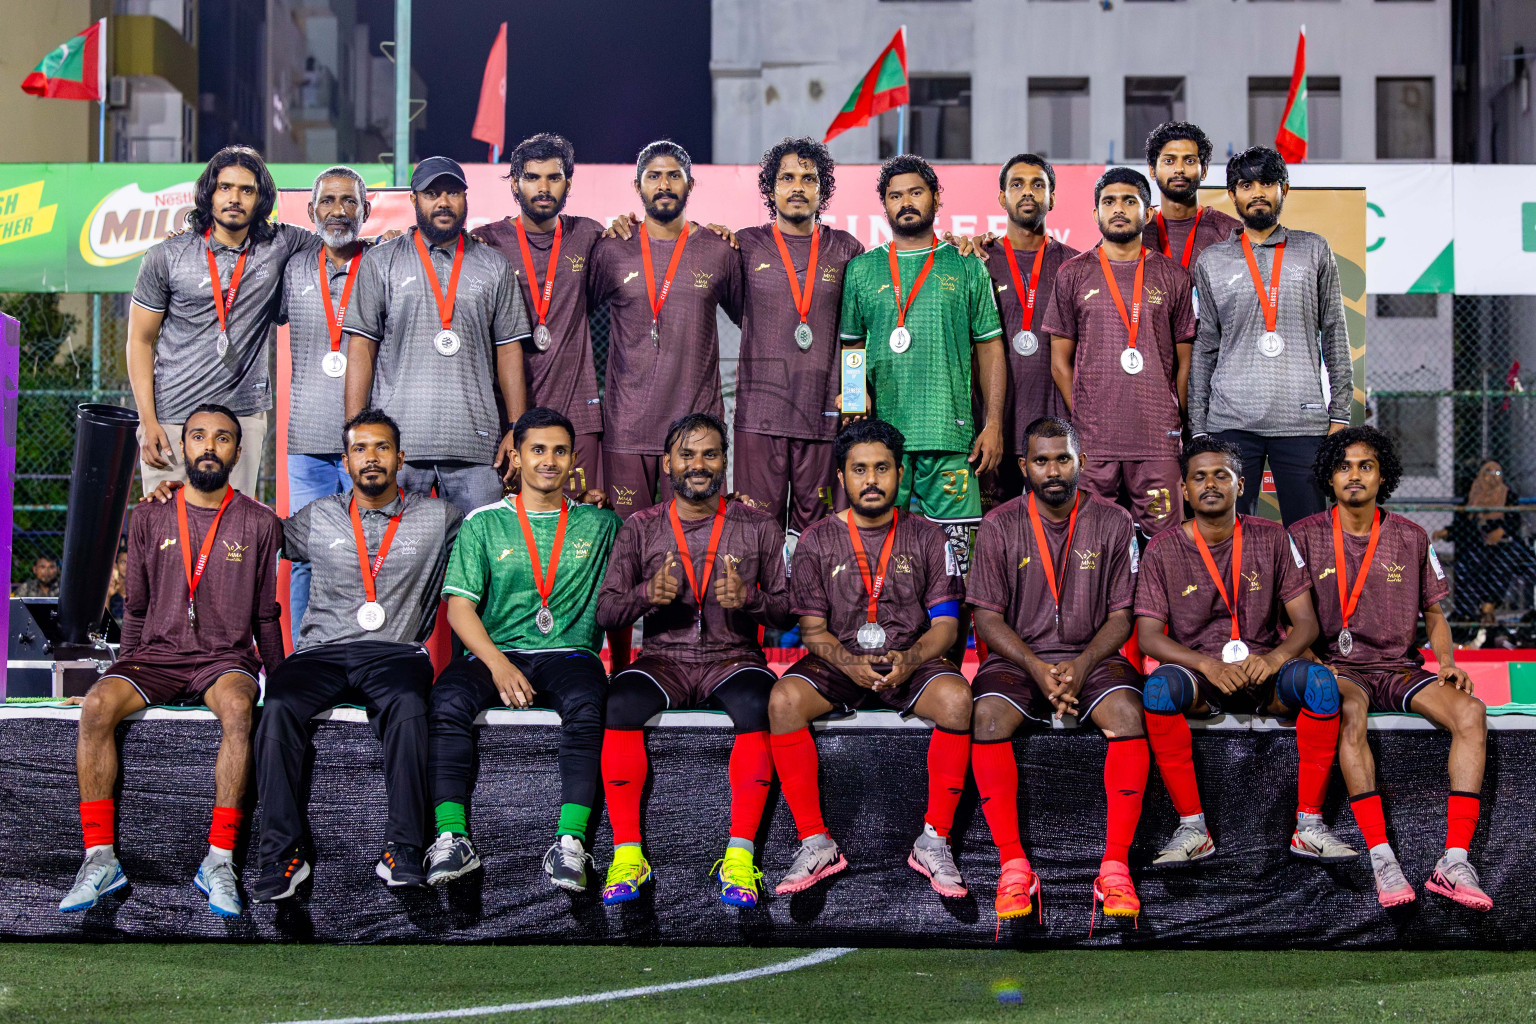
pixel 44 581
pixel 1491 553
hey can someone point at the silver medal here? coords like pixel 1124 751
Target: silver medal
pixel 371 616
pixel 872 636
pixel 223 345
pixel 191 614
pixel 803 336
pixel 655 334
pixel 334 364
pixel 541 338
pixel 1234 651
pixel 1131 361
pixel 901 340
pixel 1271 344
pixel 1025 343
pixel 446 342
pixel 1346 642
pixel 545 620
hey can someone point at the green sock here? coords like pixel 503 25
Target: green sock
pixel 452 817
pixel 573 821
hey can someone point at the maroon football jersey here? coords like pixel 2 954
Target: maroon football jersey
pixel 1405 578
pixel 1032 392
pixel 1214 227
pixel 1096 574
pixel 1176 587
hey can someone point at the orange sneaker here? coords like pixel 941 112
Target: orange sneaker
pixel 1114 890
pixel 1016 889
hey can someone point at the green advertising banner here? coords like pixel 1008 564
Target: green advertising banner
pixel 84 227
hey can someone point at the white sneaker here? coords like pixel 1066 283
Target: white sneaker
pixel 817 858
pixel 217 880
pixel 932 857
pixel 1188 843
pixel 1317 842
pixel 98 875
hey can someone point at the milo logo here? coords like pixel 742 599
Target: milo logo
pixel 129 220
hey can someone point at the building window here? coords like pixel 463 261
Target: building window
pixel 1407 306
pixel 1148 103
pixel 1405 118
pixel 1058 118
pixel 1411 422
pixel 938 120
pixel 1325 114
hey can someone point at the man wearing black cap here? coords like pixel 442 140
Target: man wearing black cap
pixel 434 319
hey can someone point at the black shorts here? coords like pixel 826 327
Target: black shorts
pixel 1000 677
pixel 181 683
pixel 689 684
pixel 844 693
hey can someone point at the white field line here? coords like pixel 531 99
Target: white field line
pixel 821 956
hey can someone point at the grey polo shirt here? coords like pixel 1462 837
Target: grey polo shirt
pixel 408 583
pixel 316 403
pixel 445 405
pixel 1232 386
pixel 174 280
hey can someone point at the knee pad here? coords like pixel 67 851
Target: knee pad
pixel 1169 690
pixel 1307 685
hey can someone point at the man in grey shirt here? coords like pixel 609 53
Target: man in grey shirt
pixel 435 318
pixel 1271 327
pixel 200 324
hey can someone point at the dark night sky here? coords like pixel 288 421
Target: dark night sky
pixel 609 75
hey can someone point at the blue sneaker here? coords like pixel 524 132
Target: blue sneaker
pixel 217 880
pixel 99 875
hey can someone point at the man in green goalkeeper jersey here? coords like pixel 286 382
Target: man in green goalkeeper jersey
pixel 522 595
pixel 919 308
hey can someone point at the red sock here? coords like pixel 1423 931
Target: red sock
pixel 226 827
pixel 1461 819
pixel 624 771
pixel 997 780
pixel 1316 740
pixel 751 774
pixel 1173 744
pixel 1368 815
pixel 794 757
pixel 949 755
pixel 1125 780
pixel 96 822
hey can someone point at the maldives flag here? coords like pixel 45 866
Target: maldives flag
pixel 491 117
pixel 75 70
pixel 883 88
pixel 1291 139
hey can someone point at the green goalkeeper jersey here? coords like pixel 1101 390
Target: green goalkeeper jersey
pixel 490 566
pixel 925 392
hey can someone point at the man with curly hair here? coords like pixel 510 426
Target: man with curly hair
pixel 1375 574
pixel 787 382
pixel 1178 158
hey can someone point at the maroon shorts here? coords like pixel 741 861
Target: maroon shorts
pixel 843 692
pixel 1000 677
pixel 587 473
pixel 776 473
pixel 689 684
pixel 1152 485
pixel 184 682
pixel 1389 689
pixel 634 481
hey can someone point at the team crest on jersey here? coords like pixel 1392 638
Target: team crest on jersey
pixel 1190 589
pixel 1393 570
pixel 234 552
pixel 578 263
pixel 1155 295
pixel 949 282
pixel 1253 581
pixel 1434 561
pixel 701 278
pixel 903 563
pixel 1086 559
pixel 581 549
pixel 623 495
pixel 829 275
pixel 167 543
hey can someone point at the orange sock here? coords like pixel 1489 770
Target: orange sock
pixel 96 822
pixel 225 829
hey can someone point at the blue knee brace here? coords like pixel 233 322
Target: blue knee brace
pixel 1169 690
pixel 1306 684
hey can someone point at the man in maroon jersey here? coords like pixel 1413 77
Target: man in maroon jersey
pixel 1122 327
pixel 699 652
pixel 878 595
pixel 662 287
pixel 1375 573
pixel 1208 608
pixel 1178 158
pixel 557 360
pixel 788 380
pixel 1051 584
pixel 201 584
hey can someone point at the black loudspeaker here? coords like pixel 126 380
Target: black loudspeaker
pixel 106 449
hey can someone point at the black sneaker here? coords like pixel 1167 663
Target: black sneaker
pixel 566 864
pixel 450 857
pixel 400 865
pixel 280 879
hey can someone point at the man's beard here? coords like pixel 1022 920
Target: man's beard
pixel 530 213
pixel 664 216
pixel 207 480
pixel 1264 219
pixel 797 218
pixel 922 229
pixel 1034 223
pixel 1184 196
pixel 369 487
pixel 683 488
pixel 1070 493
pixel 857 501
pixel 339 237
pixel 1122 236
pixel 432 233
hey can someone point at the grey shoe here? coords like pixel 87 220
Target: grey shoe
pixel 217 880
pixel 931 856
pixel 566 864
pixel 99 875
pixel 817 858
pixel 1392 888
pixel 1188 843
pixel 450 857
pixel 1316 841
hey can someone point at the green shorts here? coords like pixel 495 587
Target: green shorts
pixel 944 483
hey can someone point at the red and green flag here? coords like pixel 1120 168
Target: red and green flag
pixel 1291 139
pixel 76 69
pixel 884 87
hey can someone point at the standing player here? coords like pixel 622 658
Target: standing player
pixel 667 564
pixel 788 379
pixel 1208 608
pixel 201 583
pixel 1121 326
pixel 1178 158
pixel 379 555
pixel 1051 585
pixel 878 595
pixel 1384 574
pixel 199 326
pixel 522 594
pixel 662 287
pixel 549 252
pixel 433 322
pixel 1266 338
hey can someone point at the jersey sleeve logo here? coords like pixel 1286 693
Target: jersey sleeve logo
pixel 1296 556
pixel 1135 557
pixel 952 563
pixel 1434 561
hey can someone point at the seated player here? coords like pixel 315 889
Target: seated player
pixel 1051 586
pixel 703 573
pixel 202 578
pixel 378 555
pixel 1375 572
pixel 522 595
pixel 1209 609
pixel 878 595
